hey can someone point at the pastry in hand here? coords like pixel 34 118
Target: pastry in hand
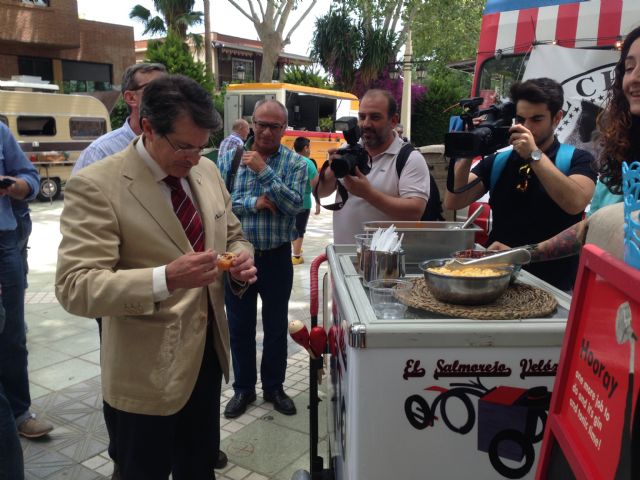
pixel 225 260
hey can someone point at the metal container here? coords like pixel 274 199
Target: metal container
pixel 382 265
pixel 465 290
pixel 428 240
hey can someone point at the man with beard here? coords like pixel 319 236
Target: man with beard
pixel 541 188
pixel 382 194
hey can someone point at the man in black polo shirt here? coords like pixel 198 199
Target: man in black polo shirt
pixel 538 194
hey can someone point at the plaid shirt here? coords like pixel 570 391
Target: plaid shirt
pixel 232 142
pixel 283 182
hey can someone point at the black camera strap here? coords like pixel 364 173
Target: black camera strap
pixel 341 191
pixel 451 179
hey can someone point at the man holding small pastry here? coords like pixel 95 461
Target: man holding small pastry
pixel 141 232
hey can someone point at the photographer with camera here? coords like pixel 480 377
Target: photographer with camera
pixel 364 171
pixel 537 188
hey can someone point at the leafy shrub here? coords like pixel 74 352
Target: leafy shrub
pixel 429 121
pixel 308 76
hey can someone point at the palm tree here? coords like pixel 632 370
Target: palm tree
pixel 208 54
pixel 175 17
pixel 359 52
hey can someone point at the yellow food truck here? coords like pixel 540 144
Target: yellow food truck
pixel 311 112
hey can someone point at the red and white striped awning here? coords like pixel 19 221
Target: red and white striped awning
pixel 513 25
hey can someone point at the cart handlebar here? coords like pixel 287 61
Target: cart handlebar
pixel 313 273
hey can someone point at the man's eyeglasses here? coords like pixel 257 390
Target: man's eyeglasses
pixel 186 152
pixel 260 125
pixel 525 173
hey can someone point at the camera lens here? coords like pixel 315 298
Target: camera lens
pixel 340 167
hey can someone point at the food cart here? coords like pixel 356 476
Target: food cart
pixel 433 395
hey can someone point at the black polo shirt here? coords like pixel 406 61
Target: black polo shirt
pixel 531 216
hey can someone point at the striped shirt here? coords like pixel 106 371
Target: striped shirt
pixel 283 182
pixel 108 144
pixel 232 142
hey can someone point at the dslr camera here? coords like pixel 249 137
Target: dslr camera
pixel 485 138
pixel 353 155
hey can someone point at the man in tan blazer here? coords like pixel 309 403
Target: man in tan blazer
pixel 128 255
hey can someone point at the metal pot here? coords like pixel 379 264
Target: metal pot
pixel 465 290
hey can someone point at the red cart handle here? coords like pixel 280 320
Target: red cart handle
pixel 315 266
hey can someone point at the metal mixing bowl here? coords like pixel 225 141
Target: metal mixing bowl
pixel 471 253
pixel 465 290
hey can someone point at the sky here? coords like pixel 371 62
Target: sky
pixel 225 18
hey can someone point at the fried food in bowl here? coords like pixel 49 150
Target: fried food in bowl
pixel 465 285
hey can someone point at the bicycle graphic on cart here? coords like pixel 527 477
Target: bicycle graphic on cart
pixel 510 420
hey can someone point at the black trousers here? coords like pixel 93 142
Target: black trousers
pixel 149 447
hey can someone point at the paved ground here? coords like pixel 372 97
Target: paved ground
pixel 64 373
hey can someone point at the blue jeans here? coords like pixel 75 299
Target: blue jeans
pixel 275 280
pixel 13 340
pixel 23 230
pixel 11 463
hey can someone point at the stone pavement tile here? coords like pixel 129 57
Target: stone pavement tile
pixel 52 329
pixel 88 392
pixel 264 447
pixel 95 462
pixel 256 476
pixel 93 357
pixel 63 374
pixel 76 345
pixel 303 462
pixel 77 472
pixel 46 463
pixel 300 421
pixel 106 469
pixel 41 356
pixel 36 391
pixel 237 473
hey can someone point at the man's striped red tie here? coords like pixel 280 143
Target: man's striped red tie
pixel 187 213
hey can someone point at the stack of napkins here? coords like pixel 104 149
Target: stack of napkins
pixel 386 240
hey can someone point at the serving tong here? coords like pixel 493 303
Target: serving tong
pixel 514 256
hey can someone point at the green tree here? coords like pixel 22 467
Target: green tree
pixel 305 75
pixel 119 113
pixel 460 19
pixel 357 40
pixel 174 18
pixel 430 116
pixel 175 55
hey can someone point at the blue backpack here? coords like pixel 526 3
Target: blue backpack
pixel 563 162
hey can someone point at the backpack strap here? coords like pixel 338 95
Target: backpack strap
pixel 499 162
pixel 403 156
pixel 564 156
pixel 235 163
pixel 563 162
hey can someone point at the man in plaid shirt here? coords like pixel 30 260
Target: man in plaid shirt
pixel 239 133
pixel 266 195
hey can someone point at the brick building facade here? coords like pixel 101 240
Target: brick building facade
pixel 46 38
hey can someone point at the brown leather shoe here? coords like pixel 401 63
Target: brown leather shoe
pixel 34 428
pixel 281 401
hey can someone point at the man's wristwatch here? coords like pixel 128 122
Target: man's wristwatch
pixel 535 156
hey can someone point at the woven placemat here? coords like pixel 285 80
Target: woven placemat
pixel 519 301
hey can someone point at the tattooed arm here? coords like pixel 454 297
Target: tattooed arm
pixel 567 243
